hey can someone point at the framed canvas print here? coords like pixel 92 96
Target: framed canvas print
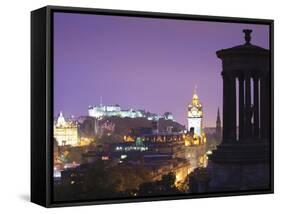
pixel 138 106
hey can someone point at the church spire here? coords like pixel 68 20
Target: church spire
pixel 218 125
pixel 218 116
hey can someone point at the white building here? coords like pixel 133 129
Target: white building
pixel 65 132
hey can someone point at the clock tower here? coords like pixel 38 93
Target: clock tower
pixel 195 115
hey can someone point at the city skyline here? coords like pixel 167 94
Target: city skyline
pixel 143 63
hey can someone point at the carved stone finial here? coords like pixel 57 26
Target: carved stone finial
pixel 247 37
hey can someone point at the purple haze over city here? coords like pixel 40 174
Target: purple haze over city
pixel 142 63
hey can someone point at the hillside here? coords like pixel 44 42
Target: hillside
pixel 123 126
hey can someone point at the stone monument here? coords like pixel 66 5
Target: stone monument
pixel 242 160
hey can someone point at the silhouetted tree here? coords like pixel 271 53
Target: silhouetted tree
pixel 166 186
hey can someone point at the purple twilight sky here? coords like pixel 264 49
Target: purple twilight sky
pixel 143 63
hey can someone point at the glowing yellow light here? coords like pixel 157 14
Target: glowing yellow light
pixel 128 138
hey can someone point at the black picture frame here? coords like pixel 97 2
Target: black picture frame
pixel 42 102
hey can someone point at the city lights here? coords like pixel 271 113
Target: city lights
pixel 160 151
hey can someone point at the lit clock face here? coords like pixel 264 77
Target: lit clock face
pixel 194 112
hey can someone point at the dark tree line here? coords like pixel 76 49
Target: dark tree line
pixel 104 181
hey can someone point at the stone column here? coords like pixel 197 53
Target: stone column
pixel 241 108
pixel 229 107
pixel 226 107
pixel 256 107
pixel 248 129
pixel 265 103
pixel 232 107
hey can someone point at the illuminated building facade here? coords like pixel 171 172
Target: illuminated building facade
pixel 115 110
pixel 65 132
pixel 195 115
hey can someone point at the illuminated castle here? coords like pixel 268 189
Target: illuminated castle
pixel 65 132
pixel 101 111
pixel 195 115
pixel 113 110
